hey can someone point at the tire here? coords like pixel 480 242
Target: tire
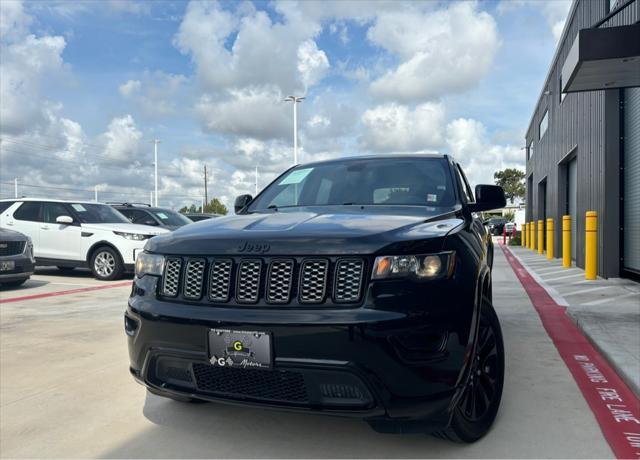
pixel 66 269
pixel 473 417
pixel 106 264
pixel 13 284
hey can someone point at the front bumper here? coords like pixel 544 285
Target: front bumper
pixel 404 366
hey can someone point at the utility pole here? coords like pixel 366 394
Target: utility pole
pixel 206 198
pixel 155 164
pixel 256 194
pixel 15 187
pixel 296 100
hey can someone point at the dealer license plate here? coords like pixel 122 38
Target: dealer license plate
pixel 7 265
pixel 243 349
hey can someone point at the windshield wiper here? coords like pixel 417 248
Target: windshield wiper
pixel 274 207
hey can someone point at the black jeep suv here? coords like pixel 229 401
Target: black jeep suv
pixel 356 287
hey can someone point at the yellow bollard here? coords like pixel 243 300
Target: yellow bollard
pixel 541 237
pixel 550 239
pixel 591 246
pixel 533 235
pixel 523 235
pixel 566 241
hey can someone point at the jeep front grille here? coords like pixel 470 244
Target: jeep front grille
pixel 248 281
pixel 220 280
pixel 313 281
pixel 171 281
pixel 269 280
pixel 193 278
pixel 348 280
pixel 279 281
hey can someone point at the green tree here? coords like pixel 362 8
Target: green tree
pixel 215 206
pixel 512 181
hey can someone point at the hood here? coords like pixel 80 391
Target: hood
pixel 125 227
pixel 308 233
pixel 11 235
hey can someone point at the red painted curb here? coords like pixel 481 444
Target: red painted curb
pixel 67 292
pixel 615 407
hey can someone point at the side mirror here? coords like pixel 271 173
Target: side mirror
pixel 64 220
pixel 488 197
pixel 241 202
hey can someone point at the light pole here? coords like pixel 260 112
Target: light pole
pixel 296 100
pixel 15 187
pixel 256 194
pixel 155 165
pixel 95 193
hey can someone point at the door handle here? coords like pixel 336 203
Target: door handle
pixel 45 227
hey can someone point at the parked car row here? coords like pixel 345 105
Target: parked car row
pixel 497 225
pixel 106 238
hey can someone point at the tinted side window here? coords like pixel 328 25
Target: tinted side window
pixel 138 217
pixel 29 210
pixel 51 211
pixel 5 205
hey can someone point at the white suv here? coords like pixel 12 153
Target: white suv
pixel 71 234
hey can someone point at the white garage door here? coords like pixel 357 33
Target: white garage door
pixel 632 179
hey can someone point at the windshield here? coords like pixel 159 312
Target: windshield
pixel 391 182
pixel 89 213
pixel 171 218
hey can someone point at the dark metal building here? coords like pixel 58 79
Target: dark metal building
pixel 583 141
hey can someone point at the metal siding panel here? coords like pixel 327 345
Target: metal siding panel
pixel 632 179
pixel 578 121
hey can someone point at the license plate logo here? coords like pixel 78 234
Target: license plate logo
pixel 244 349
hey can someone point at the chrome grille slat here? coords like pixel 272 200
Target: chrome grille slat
pixel 193 276
pixel 279 281
pixel 313 281
pixel 248 283
pixel 171 278
pixel 348 280
pixel 220 280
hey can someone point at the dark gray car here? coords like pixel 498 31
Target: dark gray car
pixel 16 258
pixel 150 215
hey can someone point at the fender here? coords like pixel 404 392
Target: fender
pixel 98 244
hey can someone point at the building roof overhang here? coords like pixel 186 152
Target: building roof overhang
pixel 603 58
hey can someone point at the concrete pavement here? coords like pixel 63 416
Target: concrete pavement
pixel 606 310
pixel 65 391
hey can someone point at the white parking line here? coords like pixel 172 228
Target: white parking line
pixel 563 277
pixel 610 299
pixel 564 270
pixel 584 291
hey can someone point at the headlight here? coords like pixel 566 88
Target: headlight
pixel 133 236
pixel 149 264
pixel 424 267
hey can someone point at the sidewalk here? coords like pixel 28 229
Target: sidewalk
pixel 607 311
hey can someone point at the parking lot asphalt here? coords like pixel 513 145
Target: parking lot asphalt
pixel 65 391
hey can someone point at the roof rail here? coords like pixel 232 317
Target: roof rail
pixel 131 205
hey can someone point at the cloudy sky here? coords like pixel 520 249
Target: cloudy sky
pixel 85 86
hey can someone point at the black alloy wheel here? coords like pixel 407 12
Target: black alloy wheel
pixel 478 405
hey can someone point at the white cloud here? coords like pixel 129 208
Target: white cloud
pixel 440 50
pixel 122 140
pixel 554 11
pixel 254 113
pixel 157 94
pixel 312 63
pixel 129 88
pixel 396 128
pixel 468 142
